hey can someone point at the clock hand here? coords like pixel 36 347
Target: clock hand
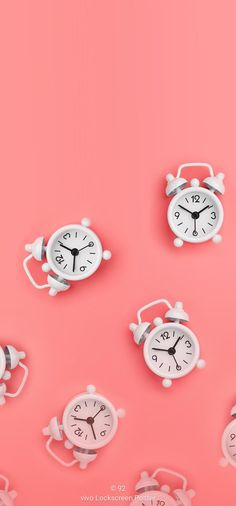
pixel 195 232
pixel 176 342
pixel 159 349
pixel 185 209
pixel 199 212
pixel 101 409
pixel 89 245
pixel 74 263
pixel 80 419
pixel 66 247
pixel 94 435
pixel 177 365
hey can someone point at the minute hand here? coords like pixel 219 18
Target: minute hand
pixel 89 245
pixel 185 209
pixel 176 342
pixel 206 207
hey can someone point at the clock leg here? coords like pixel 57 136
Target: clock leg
pixel 217 238
pixel 223 462
pixel 201 363
pixel 178 242
pixel 166 383
pixel 57 284
pixel 2 394
pixel 84 457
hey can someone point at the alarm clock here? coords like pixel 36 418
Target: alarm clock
pixel 10 358
pixel 228 442
pixel 89 422
pixel 6 496
pixel 73 253
pixel 171 350
pixel 195 213
pixel 148 491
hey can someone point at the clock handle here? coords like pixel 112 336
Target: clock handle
pixel 195 164
pixel 18 391
pixel 6 481
pixel 173 473
pixel 154 303
pixel 55 456
pixel 28 273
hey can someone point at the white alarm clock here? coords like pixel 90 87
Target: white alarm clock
pixel 6 496
pixel 10 358
pixel 195 213
pixel 148 491
pixel 171 350
pixel 228 442
pixel 73 253
pixel 89 422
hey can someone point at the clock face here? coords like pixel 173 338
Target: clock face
pixel 195 215
pixel 74 252
pixel 90 421
pixel 229 443
pixel 171 350
pixel 154 498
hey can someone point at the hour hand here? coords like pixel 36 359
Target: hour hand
pixel 159 349
pixel 185 208
pixel 63 246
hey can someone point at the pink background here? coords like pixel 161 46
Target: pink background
pixel 99 100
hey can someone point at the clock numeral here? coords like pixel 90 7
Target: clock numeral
pixel 179 368
pixel 232 436
pixel 59 259
pixel 188 344
pixel 154 357
pixel 82 268
pixel 213 215
pixel 76 409
pixel 66 236
pixel 177 214
pixel 165 335
pixel 103 433
pixel 79 432
pixel 195 198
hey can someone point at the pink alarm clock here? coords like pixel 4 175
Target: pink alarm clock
pixel 150 493
pixel 229 442
pixel 6 497
pixel 90 421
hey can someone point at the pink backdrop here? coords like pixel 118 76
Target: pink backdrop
pixel 99 100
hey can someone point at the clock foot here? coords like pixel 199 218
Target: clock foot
pixel 201 364
pixel 86 222
pixel 223 462
pixel 91 389
pixel 166 383
pixel 106 254
pixel 46 267
pixel 120 413
pixel 68 445
pixel 84 458
pixel 178 242
pixel 217 238
pixel 57 284
pixel 2 394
